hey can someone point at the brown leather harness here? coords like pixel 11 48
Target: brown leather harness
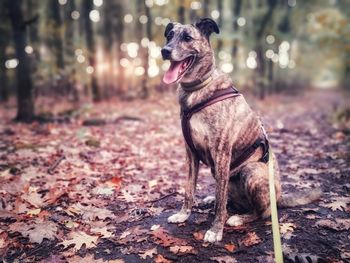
pixel 220 95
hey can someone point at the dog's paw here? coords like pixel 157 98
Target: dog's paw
pixel 179 217
pixel 235 220
pixel 213 236
pixel 209 199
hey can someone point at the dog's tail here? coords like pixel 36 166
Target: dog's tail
pixel 299 198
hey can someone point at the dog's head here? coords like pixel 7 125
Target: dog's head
pixel 188 49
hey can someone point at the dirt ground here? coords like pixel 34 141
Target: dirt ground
pixel 98 184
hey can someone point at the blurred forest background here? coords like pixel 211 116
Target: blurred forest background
pixel 83 50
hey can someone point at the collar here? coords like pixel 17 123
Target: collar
pixel 199 83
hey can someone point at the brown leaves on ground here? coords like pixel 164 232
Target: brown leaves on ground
pixel 182 249
pixel 338 224
pixel 230 247
pixel 162 237
pixel 250 239
pixel 36 230
pixel 67 186
pixel 148 253
pixel 78 239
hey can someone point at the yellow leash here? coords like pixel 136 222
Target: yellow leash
pixel 277 246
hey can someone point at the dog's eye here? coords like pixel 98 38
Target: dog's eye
pixel 187 38
pixel 170 35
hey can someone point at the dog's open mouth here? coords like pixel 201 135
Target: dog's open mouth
pixel 177 70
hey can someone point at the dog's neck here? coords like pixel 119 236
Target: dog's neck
pixel 199 83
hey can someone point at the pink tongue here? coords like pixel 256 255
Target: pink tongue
pixel 173 72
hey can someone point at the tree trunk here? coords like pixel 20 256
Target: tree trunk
pixel 57 41
pixel 90 43
pixel 206 8
pixel 3 76
pixel 4 42
pixel 143 51
pixel 236 12
pixel 181 12
pixel 219 6
pixel 69 38
pixel 119 36
pixel 25 102
pixel 108 38
pixel 260 69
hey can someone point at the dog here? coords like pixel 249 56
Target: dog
pixel 219 132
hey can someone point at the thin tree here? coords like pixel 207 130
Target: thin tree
pixel 57 43
pixel 219 6
pixel 142 50
pixel 119 39
pixel 25 102
pixel 4 42
pixel 90 43
pixel 181 12
pixel 260 33
pixel 236 12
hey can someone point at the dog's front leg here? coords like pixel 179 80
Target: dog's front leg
pixel 184 213
pixel 222 169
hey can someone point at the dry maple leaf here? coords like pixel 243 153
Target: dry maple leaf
pixel 250 239
pixel 340 224
pixel 286 230
pixel 103 231
pixel 287 227
pixel 182 249
pixel 33 198
pixel 337 205
pixel 224 259
pixel 161 259
pixel 35 230
pixel 163 238
pixel 91 212
pixel 230 247
pixel 148 253
pixel 80 238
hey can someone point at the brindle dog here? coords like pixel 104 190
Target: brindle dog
pixel 220 132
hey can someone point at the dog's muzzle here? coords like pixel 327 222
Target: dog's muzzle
pixel 166 53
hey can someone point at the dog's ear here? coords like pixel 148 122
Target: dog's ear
pixel 169 27
pixel 207 26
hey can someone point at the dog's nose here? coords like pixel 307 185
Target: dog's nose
pixel 166 53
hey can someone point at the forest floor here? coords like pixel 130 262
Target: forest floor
pixel 85 190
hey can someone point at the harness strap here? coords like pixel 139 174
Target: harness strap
pixel 220 95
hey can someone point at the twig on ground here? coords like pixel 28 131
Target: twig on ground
pixel 55 164
pixel 162 197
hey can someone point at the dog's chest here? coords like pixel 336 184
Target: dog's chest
pixel 200 132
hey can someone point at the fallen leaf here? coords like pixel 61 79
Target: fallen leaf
pixel 102 231
pixel 337 205
pixel 3 243
pixel 230 247
pixel 35 230
pixel 90 212
pixel 224 259
pixel 339 224
pixel 286 230
pixel 182 249
pixel 198 235
pixel 155 227
pixel 161 259
pixel 34 212
pixel 115 182
pixel 80 238
pixel 163 238
pixel 148 253
pixel 250 239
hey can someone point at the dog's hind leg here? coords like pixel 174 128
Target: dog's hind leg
pixel 184 213
pixel 254 196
